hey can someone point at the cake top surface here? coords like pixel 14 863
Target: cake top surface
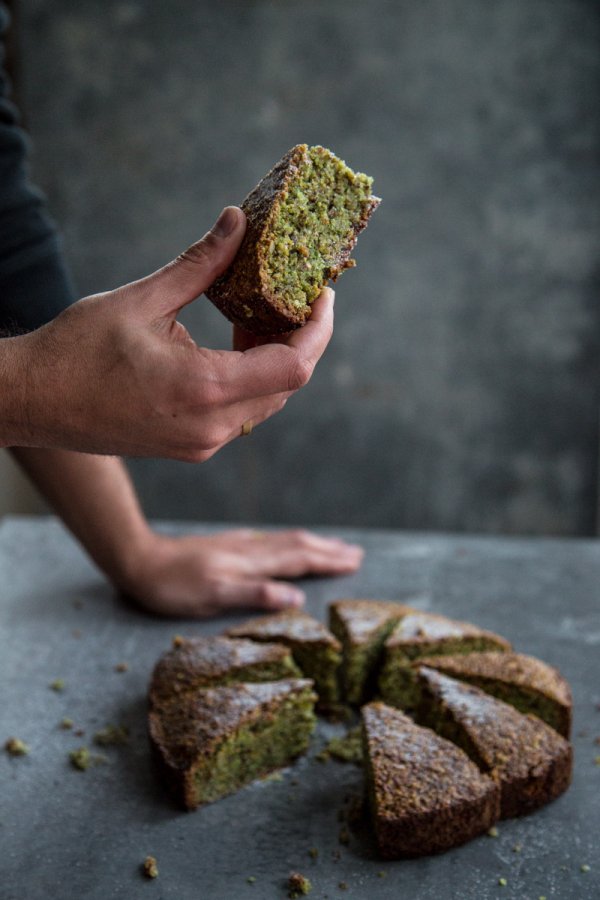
pixel 363 618
pixel 205 659
pixel 506 740
pixel 292 625
pixel 414 770
pixel 197 724
pixel 511 668
pixel 423 627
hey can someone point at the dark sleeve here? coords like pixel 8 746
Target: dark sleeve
pixel 34 282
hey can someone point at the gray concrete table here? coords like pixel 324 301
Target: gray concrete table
pixel 70 834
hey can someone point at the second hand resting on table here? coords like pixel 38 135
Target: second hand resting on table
pixel 118 374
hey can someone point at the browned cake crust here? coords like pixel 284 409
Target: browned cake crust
pixel 184 732
pixel 195 663
pixel 496 673
pixel 361 619
pixel 287 627
pixel 531 762
pixel 426 795
pixel 421 628
pixel 243 286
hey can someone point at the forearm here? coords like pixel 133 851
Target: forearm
pixel 96 500
pixel 14 416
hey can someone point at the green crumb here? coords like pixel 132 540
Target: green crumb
pixel 502 882
pixel 542 897
pixel 493 831
pixel 57 685
pixel 517 848
pixel 344 836
pixel 597 760
pixel 273 776
pixel 313 853
pixel 81 758
pixel 298 885
pixel 343 886
pixel 112 736
pixel 16 747
pixel 347 748
pixel 66 724
pixel 585 868
pixel 251 879
pixel 381 874
pixel 150 867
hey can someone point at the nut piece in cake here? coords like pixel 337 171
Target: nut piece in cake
pixel 427 634
pixel 303 218
pixel 426 795
pixel 215 741
pixel 315 650
pixel 530 761
pixel 362 626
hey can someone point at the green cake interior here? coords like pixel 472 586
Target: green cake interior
pixel 269 742
pixel 321 664
pixel 311 224
pixel 398 683
pixel 359 662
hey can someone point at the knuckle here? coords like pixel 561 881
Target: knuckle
pixel 300 372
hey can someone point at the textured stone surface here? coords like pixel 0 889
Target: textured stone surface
pixel 463 385
pixel 73 835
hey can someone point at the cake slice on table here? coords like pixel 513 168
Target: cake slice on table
pixel 215 741
pixel 527 683
pixel 315 650
pixel 303 220
pixel 530 761
pixel 362 627
pixel 194 663
pixel 425 794
pixel 427 634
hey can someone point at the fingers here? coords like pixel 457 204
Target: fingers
pixel 258 594
pixel 182 280
pixel 297 553
pixel 288 364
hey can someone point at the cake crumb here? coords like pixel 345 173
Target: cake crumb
pixel 381 874
pixel 80 759
pixel 122 667
pixel 65 724
pixel 585 867
pixel 517 848
pixel 347 748
pixel 57 685
pixel 251 879
pixel 150 867
pixel 343 886
pixel 597 760
pixel 178 640
pixel 313 853
pixel 112 736
pixel 493 831
pixel 502 882
pixel 16 747
pixel 298 885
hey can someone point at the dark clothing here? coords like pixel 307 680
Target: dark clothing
pixel 34 282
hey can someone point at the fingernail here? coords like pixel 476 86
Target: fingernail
pixel 291 599
pixel 226 222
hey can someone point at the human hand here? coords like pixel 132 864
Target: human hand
pixel 117 374
pixel 197 576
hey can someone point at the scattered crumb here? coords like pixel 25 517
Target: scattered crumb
pixel 150 867
pixel 57 685
pixel 585 868
pixel 597 740
pixel 112 736
pixel 251 879
pixel 381 874
pixel 273 776
pixel 597 760
pixel 542 897
pixel 343 886
pixel 298 885
pixel 517 848
pixel 344 836
pixel 65 724
pixel 502 882
pixel 313 852
pixel 16 747
pixel 79 732
pixel 493 831
pixel 80 758
pixel 347 748
pixel 122 667
pixel 178 640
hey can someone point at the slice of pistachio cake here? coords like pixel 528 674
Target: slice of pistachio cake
pixel 315 650
pixel 201 662
pixel 213 742
pixel 303 220
pixel 426 634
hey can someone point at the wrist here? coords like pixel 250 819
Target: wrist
pixel 15 415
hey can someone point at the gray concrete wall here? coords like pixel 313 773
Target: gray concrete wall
pixel 461 390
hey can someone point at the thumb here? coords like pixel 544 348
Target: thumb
pixel 185 278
